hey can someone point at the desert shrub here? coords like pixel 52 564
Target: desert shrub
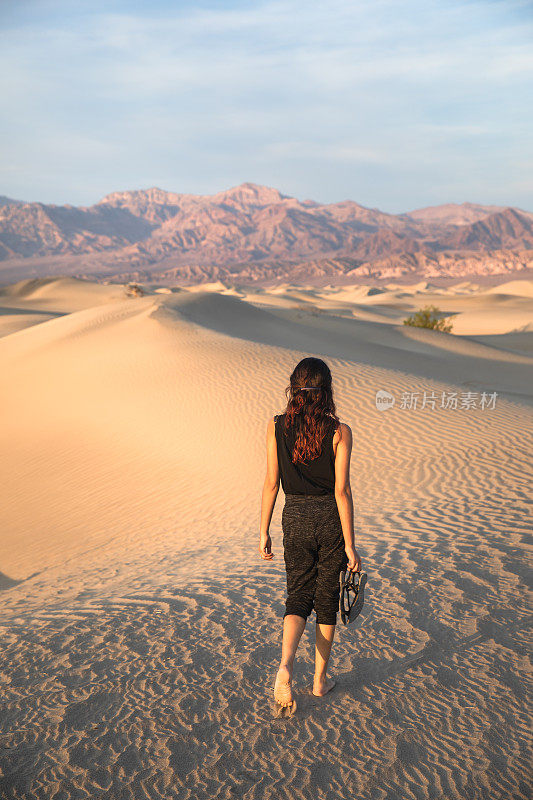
pixel 429 317
pixel 134 290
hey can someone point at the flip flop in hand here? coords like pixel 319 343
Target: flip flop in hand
pixel 351 594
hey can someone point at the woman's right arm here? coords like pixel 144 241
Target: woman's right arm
pixel 343 495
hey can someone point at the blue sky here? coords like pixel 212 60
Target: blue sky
pixel 396 104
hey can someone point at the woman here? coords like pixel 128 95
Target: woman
pixel 309 449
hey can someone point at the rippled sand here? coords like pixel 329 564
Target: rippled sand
pixel 141 631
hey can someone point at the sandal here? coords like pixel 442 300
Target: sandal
pixel 352 594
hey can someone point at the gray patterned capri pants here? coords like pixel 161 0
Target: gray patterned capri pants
pixel 313 545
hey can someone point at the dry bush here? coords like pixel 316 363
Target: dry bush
pixel 429 317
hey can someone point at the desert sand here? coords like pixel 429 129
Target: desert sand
pixel 140 630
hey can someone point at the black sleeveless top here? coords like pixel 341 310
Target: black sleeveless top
pixel 315 477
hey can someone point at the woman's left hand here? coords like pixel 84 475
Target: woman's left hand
pixel 265 547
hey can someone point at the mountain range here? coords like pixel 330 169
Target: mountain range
pixel 254 232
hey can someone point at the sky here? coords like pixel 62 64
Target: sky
pixel 397 104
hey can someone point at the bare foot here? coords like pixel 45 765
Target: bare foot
pixel 322 687
pixel 282 687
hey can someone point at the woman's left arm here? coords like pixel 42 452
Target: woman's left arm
pixel 270 492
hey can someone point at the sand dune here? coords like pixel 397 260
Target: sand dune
pixel 521 288
pixel 141 630
pixel 32 301
pixel 60 294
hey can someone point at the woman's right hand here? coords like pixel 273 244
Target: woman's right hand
pixel 354 559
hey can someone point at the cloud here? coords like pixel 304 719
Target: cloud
pixel 108 91
pixel 325 151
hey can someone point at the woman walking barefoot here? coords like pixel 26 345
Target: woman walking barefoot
pixel 309 450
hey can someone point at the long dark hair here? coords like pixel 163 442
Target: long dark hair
pixel 309 413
